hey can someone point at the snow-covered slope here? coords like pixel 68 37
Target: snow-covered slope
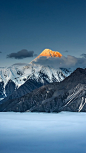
pixel 18 74
pixel 14 72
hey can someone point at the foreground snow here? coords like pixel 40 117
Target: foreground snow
pixel 42 132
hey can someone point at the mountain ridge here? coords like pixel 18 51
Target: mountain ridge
pixel 67 95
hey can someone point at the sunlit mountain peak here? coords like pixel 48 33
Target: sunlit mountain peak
pixel 50 53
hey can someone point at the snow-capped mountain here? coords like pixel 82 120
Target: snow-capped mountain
pixel 36 87
pixel 15 76
pixel 11 78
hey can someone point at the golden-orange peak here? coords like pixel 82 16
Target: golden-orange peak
pixel 50 53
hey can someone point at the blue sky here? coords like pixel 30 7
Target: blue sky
pixel 38 24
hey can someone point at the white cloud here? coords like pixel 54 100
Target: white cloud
pixel 65 62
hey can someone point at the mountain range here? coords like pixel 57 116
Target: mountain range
pixel 68 95
pixel 38 88
pixel 31 76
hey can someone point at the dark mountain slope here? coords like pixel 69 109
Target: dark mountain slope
pixel 68 95
pixel 27 87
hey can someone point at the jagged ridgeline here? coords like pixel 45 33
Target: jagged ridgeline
pixel 67 95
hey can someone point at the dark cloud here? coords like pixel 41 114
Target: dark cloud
pixel 0 52
pixel 21 54
pixel 63 62
pixel 83 55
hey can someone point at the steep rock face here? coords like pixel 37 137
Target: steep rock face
pixel 1 90
pixel 7 90
pixel 68 95
pixel 78 76
pixel 10 87
pixel 76 99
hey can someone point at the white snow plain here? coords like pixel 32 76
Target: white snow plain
pixel 63 132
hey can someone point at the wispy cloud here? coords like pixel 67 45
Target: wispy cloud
pixel 21 54
pixel 63 62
